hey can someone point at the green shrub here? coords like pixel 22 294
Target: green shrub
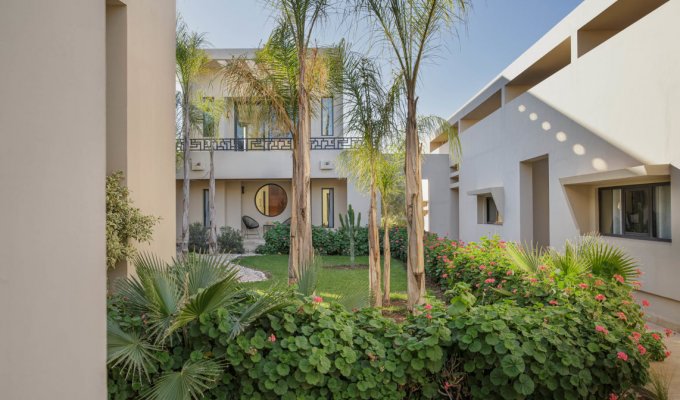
pixel 230 241
pixel 326 242
pixel 124 222
pixel 198 238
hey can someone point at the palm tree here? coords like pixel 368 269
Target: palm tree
pixel 410 28
pixel 191 61
pixel 279 85
pixel 370 112
pixel 213 110
pixel 169 298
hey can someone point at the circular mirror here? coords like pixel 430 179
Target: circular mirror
pixel 271 200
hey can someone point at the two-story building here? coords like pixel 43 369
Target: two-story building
pixel 253 164
pixel 581 134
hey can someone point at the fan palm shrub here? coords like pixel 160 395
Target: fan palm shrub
pixel 155 310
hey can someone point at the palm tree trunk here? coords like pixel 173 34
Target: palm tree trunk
pixel 414 207
pixel 186 182
pixel 212 234
pixel 302 233
pixel 386 257
pixel 293 250
pixel 374 247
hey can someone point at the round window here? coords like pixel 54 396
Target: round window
pixel 271 200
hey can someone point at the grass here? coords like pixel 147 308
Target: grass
pixel 333 282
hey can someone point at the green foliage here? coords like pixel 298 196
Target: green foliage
pixel 326 241
pixel 230 241
pixel 124 222
pixel 198 238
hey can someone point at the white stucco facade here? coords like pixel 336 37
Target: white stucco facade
pixel 592 104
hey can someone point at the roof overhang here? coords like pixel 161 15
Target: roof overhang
pixel 624 175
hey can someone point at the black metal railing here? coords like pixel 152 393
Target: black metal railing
pixel 268 144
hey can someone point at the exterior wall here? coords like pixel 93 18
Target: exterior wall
pixel 248 207
pixel 53 273
pixel 141 113
pixel 585 120
pixel 339 201
pixel 435 170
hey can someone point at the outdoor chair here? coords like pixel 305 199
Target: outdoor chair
pixel 251 225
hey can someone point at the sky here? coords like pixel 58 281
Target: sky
pixel 495 33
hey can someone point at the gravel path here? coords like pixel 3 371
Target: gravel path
pixel 245 274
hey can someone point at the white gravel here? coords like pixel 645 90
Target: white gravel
pixel 245 274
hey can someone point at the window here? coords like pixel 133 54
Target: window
pixel 640 211
pixel 491 211
pixel 206 208
pixel 327 116
pixel 327 209
pixel 208 123
pixel 271 200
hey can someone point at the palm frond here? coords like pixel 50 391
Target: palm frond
pixel 128 351
pixel 606 260
pixel 432 125
pixel 189 383
pixel 309 277
pixel 569 264
pixel 273 299
pixel 525 258
pixel 201 271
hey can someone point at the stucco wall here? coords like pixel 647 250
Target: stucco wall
pixel 53 272
pixel 612 108
pixel 435 169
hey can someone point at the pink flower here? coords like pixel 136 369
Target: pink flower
pixel 533 280
pixel 490 280
pixel 621 315
pixel 645 303
pixel 489 273
pixel 668 332
pixel 656 336
pixel 428 316
pixel 668 353
pixel 642 349
pixel 636 336
pixel 599 282
pixel 444 276
pixel 600 297
pixel 428 306
pixel 541 267
pixel 619 278
pixel 553 302
pixel 272 338
pixel 622 356
pixel 317 299
pixel 482 267
pixel 583 285
pixel 613 396
pixel 600 328
pixel 510 272
pixel 447 385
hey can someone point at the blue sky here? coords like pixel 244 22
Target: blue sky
pixel 496 32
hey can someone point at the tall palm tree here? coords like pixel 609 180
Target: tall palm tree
pixel 191 61
pixel 409 29
pixel 213 110
pixel 271 89
pixel 301 18
pixel 370 112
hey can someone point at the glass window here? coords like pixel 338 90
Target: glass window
pixel 492 216
pixel 327 209
pixel 208 123
pixel 249 123
pixel 206 208
pixel 271 200
pixel 641 211
pixel 327 116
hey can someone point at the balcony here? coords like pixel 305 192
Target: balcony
pixel 268 144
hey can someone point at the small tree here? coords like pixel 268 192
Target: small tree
pixel 213 110
pixel 350 226
pixel 124 222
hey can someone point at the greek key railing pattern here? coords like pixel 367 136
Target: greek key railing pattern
pixel 268 144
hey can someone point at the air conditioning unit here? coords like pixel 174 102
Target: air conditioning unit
pixel 326 165
pixel 197 166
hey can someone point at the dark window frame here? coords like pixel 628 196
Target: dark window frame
pixel 206 208
pixel 649 187
pixel 487 220
pixel 331 215
pixel 332 121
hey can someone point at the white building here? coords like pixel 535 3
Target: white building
pixel 253 164
pixel 580 134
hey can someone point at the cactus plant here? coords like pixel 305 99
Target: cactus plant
pixel 350 225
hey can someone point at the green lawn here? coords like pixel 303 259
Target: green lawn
pixel 333 282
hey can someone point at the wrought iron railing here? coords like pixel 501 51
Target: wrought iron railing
pixel 267 144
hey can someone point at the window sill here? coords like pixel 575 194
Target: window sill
pixel 648 239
